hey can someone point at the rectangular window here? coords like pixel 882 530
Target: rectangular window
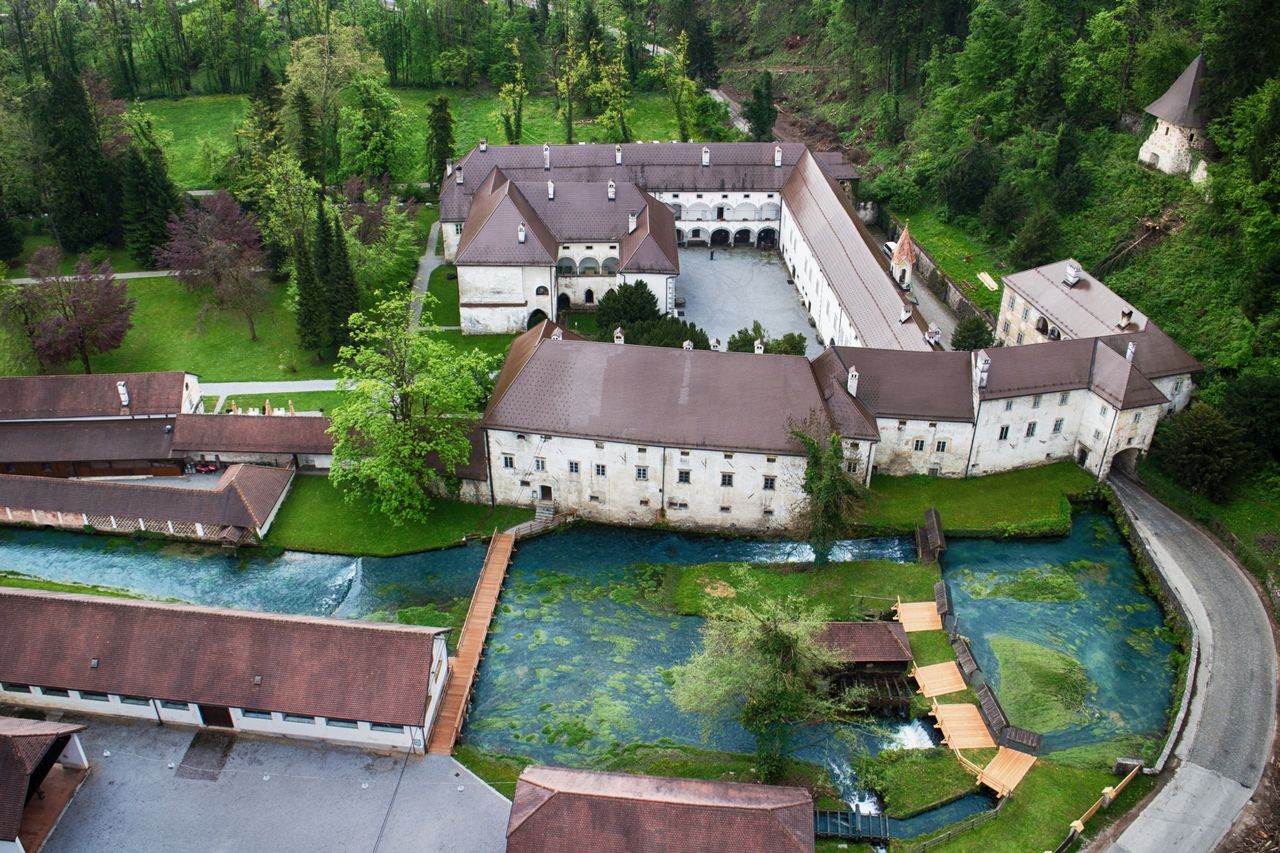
pixel 1013 301
pixel 682 477
pixel 1105 410
pixel 539 464
pixel 1035 401
pixel 1020 337
pixel 134 700
pixel 573 467
pixel 383 727
pixel 1005 327
pixel 1137 416
pixel 642 472
pixel 902 424
pixel 255 715
pixel 341 724
pixel 457 228
pixel 728 456
pixel 599 470
pixel 771 459
pixel 175 706
pixel 1057 426
pixel 726 479
pixel 1177 386
pixel 14 687
pixel 935 471
pixel 300 718
pixel 941 447
pixel 55 691
pixel 918 444
pixel 769 483
pixel 684 453
pixel 1026 313
pixel 595 499
pixel 642 450
pixel 1031 429
pixel 94 696
pixel 1004 433
pixel 725 509
pixel 1097 434
pixel 1062 400
pixel 851 466
pixel 1008 405
pixel 508 461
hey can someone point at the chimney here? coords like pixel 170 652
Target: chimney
pixel 1126 317
pixel 631 222
pixel 546 157
pixel 687 345
pixel 484 143
pixel 1072 275
pixel 617 155
pixel 520 233
pixel 558 334
pixel 852 383
pixel 759 347
pixel 448 167
pixel 984 368
pixel 618 337
pixel 706 156
pixel 777 156
pixel 551 190
pixel 715 344
pixel 906 313
pixel 457 175
pixel 124 394
pixel 933 337
pixel 613 191
pixel 1129 351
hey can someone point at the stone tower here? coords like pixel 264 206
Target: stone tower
pixel 1178 136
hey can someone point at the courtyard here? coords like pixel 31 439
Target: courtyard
pixel 735 288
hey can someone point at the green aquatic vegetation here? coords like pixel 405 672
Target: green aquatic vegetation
pixel 1041 689
pixel 1043 583
pixel 539 638
pixel 499 648
pixel 1142 640
pixel 21 580
pixel 561 641
pixel 1091 570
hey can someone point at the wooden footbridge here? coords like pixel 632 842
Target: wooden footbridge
pixel 462 666
pixel 851 826
pixel 963 727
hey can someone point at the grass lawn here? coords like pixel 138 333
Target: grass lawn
pixel 491 344
pixel 306 401
pixel 22 581
pixel 1031 501
pixel 959 255
pixel 188 123
pixel 449 614
pixel 911 781
pixel 930 647
pixel 1041 689
pixel 315 517
pixel 446 311
pixel 846 590
pixel 583 323
pixel 500 771
pixel 120 259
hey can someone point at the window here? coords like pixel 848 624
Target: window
pixel 1005 327
pixel 134 700
pixel 1057 426
pixel 642 472
pixel 457 228
pixel 539 464
pixel 1026 313
pixel 340 724
pixel 933 424
pixel 1097 434
pixel 94 696
pixel 1013 301
pixel 769 483
pixel 726 479
pixel 941 447
pixel 918 445
pixel 1035 401
pixel 644 502
pixel 725 509
pixel 1137 416
pixel 599 445
pixel 642 450
pixel 595 499
pixel 728 456
pixel 14 687
pixel 851 466
pixel 1031 429
pixel 255 715
pixel 1004 433
pixel 300 718
pixel 383 727
pixel 1105 410
pixel 1177 387
pixel 684 453
pixel 175 706
pixel 524 483
pixel 935 471
pixel 1020 336
pixel 1008 405
pixel 1062 400
pixel 55 691
pixel 573 467
pixel 599 470
pixel 771 459
pixel 508 461
pixel 682 477
pixel 902 424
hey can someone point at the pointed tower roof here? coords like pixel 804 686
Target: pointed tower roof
pixel 905 254
pixel 1180 104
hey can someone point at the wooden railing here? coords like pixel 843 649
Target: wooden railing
pixel 1109 795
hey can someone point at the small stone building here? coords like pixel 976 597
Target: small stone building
pixel 1176 141
pixel 42 764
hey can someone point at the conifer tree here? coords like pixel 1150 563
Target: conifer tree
pixel 760 111
pixel 265 98
pixel 148 196
pixel 702 53
pixel 439 139
pixel 308 145
pixel 313 326
pixel 323 248
pixel 10 239
pixel 344 293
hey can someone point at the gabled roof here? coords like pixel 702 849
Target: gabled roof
pixel 90 396
pixel 850 416
pixel 557 810
pixel 858 276
pixel 1089 309
pixel 651 247
pixel 23 745
pixel 1119 382
pixel 251 434
pixel 1180 104
pixel 892 383
pixel 1083 363
pixel 1155 353
pixel 867 642
pixel 144 439
pixel 491 234
pixel 351 670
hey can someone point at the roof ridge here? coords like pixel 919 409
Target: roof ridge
pixel 494 401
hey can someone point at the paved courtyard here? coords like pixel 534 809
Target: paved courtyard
pixel 171 788
pixel 738 287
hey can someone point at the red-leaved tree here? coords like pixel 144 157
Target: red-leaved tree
pixel 69 316
pixel 215 248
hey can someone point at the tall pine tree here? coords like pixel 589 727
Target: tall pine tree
pixel 439 139
pixel 344 294
pixel 760 112
pixel 10 239
pixel 313 320
pixel 148 196
pixel 307 144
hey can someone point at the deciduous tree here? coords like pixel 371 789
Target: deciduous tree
pixel 371 133
pixel 1203 450
pixel 512 95
pixel 681 91
pixel 833 499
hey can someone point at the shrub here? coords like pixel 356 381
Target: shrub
pixel 1203 451
pixel 972 333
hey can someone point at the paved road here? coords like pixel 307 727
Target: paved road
pixel 1231 723
pixel 426 264
pixel 124 276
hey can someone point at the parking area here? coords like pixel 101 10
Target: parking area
pixel 736 287
pixel 176 789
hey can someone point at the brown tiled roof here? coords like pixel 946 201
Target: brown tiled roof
pixel 243 497
pixel 1090 309
pixel 849 415
pixel 858 275
pixel 491 234
pixel 904 255
pixel 251 434
pixel 91 396
pixel 652 246
pixel 653 395
pixel 935 386
pixel 557 810
pixel 868 642
pixel 1155 354
pixel 1118 381
pixel 1055 366
pixel 582 212
pixel 350 670
pixel 1180 104
pixel 477 465
pixel 86 441
pixel 23 745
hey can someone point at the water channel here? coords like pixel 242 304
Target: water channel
pixel 577 666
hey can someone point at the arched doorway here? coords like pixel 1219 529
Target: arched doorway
pixel 566 266
pixel 768 239
pixel 742 237
pixel 720 237
pixel 680 241
pixel 722 212
pixel 535 318
pixel 770 210
pixel 589 297
pixel 1126 461
pixel 562 303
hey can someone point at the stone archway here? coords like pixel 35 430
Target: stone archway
pixel 720 237
pixel 562 303
pixel 588 266
pixel 536 317
pixel 742 237
pixel 589 297
pixel 1126 461
pixel 768 239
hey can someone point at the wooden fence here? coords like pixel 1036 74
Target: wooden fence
pixel 1109 795
pixel 951 833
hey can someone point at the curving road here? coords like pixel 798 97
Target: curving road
pixel 1231 723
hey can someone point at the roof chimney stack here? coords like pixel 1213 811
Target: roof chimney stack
pixel 124 394
pixel 759 347
pixel 777 156
pixel 546 157
pixel 617 155
pixel 484 143
pixel 687 345
pixel 551 190
pixel 1129 351
pixel 933 337
pixel 1126 317
pixel 906 313
pixel 852 382
pixel 984 368
pixel 558 334
pixel 448 167
pixel 613 191
pixel 1072 275
pixel 715 344
pixel 706 156
pixel 631 222
pixel 520 233
pixel 457 175
pixel 618 337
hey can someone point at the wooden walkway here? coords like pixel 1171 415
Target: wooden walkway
pixel 462 666
pixel 962 727
pixel 918 616
pixel 1006 770
pixel 939 679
